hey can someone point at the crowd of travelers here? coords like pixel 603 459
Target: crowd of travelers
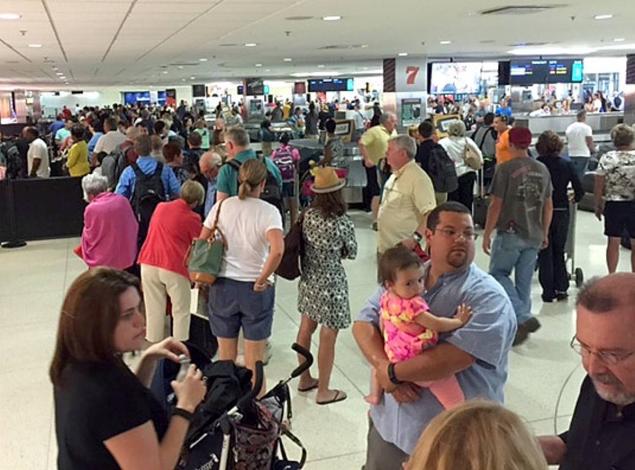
pixel 436 333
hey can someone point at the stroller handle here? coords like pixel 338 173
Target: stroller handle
pixel 244 402
pixel 308 360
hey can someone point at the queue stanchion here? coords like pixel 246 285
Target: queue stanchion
pixel 13 241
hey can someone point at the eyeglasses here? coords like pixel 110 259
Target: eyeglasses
pixel 609 358
pixel 468 235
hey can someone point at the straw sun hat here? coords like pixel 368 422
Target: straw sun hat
pixel 326 180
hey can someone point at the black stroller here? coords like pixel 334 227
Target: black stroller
pixel 232 429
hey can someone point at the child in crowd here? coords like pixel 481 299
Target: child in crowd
pixel 408 326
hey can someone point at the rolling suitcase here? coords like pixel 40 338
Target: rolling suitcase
pixel 481 202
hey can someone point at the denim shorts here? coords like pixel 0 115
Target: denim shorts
pixel 234 305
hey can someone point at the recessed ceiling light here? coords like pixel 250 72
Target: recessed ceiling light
pixel 35 46
pixel 267 70
pixel 321 66
pixel 59 73
pixel 445 43
pixel 192 78
pixel 619 39
pixel 182 79
pixel 402 54
pixel 202 59
pixel 180 67
pixel 332 18
pixel 165 72
pixel 603 17
pixel 250 44
pixel 364 46
pixel 9 16
pixel 287 59
pixel 258 65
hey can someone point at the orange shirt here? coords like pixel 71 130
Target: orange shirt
pixel 503 152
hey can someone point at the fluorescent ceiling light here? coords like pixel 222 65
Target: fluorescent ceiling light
pixel 320 66
pixel 180 67
pixel 9 16
pixel 287 59
pixel 250 44
pixel 192 78
pixel 315 74
pixel 258 65
pixel 165 72
pixel 267 70
pixel 402 54
pixel 619 40
pixel 35 46
pixel 445 43
pixel 332 18
pixel 202 59
pixel 603 17
pixel 59 73
pixel 550 50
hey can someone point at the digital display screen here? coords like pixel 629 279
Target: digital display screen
pixel 532 72
pixel 255 87
pixel 199 91
pixel 241 90
pixel 331 84
pixel 455 77
pixel 161 97
pixel 134 97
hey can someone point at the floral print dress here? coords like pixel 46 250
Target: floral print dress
pixel 323 288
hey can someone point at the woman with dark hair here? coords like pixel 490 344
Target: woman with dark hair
pixel 333 148
pixel 553 275
pixel 173 155
pixel 105 416
pixel 329 237
pixel 77 160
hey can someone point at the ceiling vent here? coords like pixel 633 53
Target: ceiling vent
pixel 334 47
pixel 185 64
pixel 520 9
pixel 298 18
pixel 228 44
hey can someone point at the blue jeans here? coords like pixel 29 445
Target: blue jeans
pixel 513 253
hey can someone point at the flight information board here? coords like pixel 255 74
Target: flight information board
pixel 331 84
pixel 531 72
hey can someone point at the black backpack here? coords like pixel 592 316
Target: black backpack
pixel 442 170
pixel 11 155
pixel 148 193
pixel 272 192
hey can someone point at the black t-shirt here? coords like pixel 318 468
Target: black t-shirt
pixel 600 437
pixel 95 402
pixel 562 172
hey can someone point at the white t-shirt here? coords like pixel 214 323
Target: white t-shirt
pixel 109 142
pixel 576 139
pixel 38 149
pixel 245 225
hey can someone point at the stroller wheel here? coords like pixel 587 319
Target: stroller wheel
pixel 579 277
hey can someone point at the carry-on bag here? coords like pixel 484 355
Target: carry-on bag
pixel 206 256
pixel 481 202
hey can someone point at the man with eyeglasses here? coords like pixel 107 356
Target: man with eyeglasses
pixel 520 212
pixel 476 353
pixel 602 431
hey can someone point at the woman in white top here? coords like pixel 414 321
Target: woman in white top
pixel 455 145
pixel 243 295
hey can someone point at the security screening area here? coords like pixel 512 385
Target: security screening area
pixel 282 235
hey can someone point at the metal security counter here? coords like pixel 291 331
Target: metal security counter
pixel 601 123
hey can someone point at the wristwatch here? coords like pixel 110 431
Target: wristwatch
pixel 417 236
pixel 186 415
pixel 391 374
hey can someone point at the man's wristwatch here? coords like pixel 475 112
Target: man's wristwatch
pixel 391 374
pixel 183 414
pixel 417 236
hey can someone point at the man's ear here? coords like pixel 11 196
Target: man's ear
pixel 428 235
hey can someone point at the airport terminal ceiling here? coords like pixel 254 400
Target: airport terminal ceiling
pixel 75 43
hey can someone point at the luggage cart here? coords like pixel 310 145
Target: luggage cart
pixel 575 274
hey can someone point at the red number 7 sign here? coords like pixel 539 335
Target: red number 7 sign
pixel 411 74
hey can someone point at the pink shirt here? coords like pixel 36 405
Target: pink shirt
pixel 110 231
pixel 173 227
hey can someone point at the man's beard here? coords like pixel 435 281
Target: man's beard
pixel 618 397
pixel 457 258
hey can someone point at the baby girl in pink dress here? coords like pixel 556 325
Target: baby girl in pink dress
pixel 408 326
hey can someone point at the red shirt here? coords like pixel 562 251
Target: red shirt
pixel 173 227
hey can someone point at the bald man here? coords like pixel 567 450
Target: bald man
pixel 602 431
pixel 209 164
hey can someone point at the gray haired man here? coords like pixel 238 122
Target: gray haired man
pixel 408 197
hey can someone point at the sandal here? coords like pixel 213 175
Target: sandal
pixel 339 396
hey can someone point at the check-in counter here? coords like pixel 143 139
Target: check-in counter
pixel 601 123
pixel 352 160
